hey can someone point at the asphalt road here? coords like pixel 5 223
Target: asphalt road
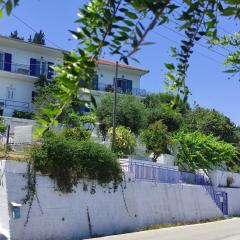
pixel 221 230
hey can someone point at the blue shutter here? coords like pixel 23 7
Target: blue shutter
pixel 129 86
pixel 95 82
pixel 8 62
pixel 50 70
pixel 33 66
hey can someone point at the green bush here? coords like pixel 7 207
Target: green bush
pixel 2 126
pixel 21 114
pixel 77 133
pixel 67 161
pixel 157 139
pixel 125 141
pixel 199 151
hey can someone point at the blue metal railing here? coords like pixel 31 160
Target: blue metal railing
pixel 157 173
pixel 16 105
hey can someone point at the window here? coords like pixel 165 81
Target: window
pixel 10 93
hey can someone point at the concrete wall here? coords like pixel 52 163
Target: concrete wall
pixel 233 195
pixel 4 207
pixel 81 214
pixel 219 178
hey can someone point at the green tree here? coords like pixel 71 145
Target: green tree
pixel 212 122
pixel 15 35
pixel 38 38
pixel 157 139
pixel 131 113
pixel 158 108
pixel 125 141
pixel 200 151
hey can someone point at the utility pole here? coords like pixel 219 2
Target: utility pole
pixel 7 140
pixel 114 107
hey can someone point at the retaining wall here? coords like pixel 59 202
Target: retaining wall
pixel 82 214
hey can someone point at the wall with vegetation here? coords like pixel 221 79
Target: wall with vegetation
pixel 94 211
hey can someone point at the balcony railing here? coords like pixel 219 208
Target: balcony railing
pixel 16 105
pixel 110 88
pixel 17 68
pixel 22 69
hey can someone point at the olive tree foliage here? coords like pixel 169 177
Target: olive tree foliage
pixel 233 59
pixel 131 113
pixel 120 28
pixel 7 5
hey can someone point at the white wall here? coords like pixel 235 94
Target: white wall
pixel 219 178
pixel 233 195
pixel 4 213
pixel 64 216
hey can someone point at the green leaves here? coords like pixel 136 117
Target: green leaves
pixel 8 5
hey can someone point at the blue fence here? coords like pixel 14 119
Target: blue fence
pixel 157 173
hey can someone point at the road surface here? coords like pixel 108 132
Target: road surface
pixel 221 230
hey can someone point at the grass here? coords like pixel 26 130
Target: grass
pixel 168 225
pixel 13 155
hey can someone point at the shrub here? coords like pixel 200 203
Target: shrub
pixel 157 139
pixel 125 141
pixel 77 133
pixel 21 114
pixel 230 181
pixel 199 151
pixel 2 126
pixel 67 161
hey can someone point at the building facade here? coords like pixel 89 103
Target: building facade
pixel 21 64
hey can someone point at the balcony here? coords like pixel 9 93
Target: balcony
pixel 25 70
pixel 15 105
pixel 110 88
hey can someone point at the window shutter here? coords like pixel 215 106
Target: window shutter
pixel 129 86
pixel 95 82
pixel 50 70
pixel 8 62
pixel 33 66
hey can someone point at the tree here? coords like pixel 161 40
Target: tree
pixel 125 141
pixel 158 108
pixel 15 35
pixel 157 139
pixel 131 113
pixel 39 38
pixel 200 151
pixel 212 122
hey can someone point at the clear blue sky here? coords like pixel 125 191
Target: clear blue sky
pixel 210 87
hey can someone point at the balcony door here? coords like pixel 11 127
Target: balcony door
pixel 124 85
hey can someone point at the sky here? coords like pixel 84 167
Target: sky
pixel 210 87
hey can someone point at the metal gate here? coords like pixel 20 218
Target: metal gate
pixel 222 201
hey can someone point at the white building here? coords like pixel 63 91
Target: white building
pixel 21 63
